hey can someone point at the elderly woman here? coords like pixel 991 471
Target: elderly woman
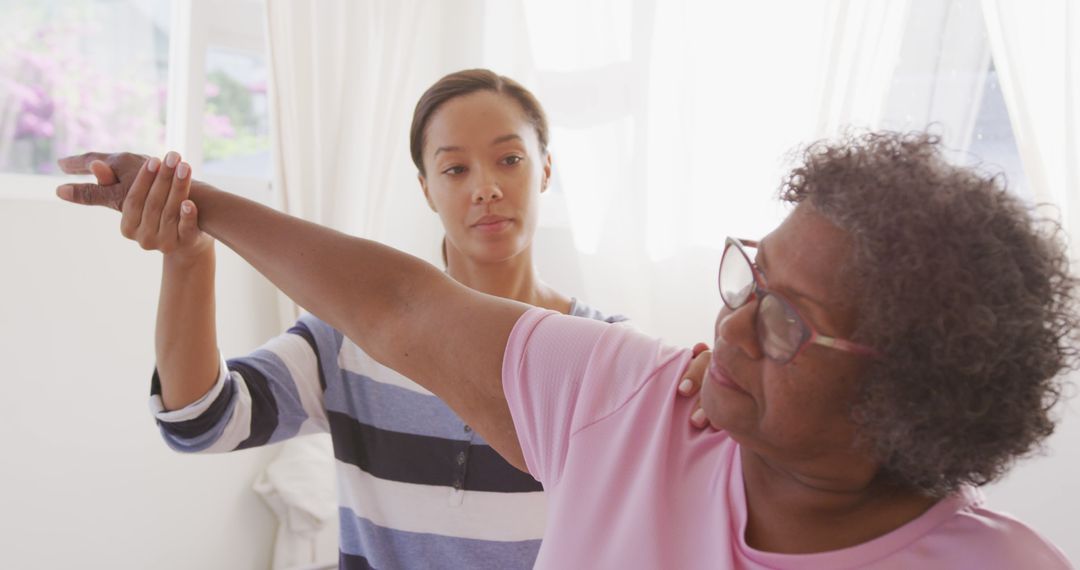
pixel 892 345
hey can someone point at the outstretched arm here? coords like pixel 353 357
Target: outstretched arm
pixel 404 312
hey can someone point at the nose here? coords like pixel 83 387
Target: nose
pixel 486 191
pixel 738 328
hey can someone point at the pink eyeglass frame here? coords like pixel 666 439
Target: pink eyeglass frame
pixel 811 334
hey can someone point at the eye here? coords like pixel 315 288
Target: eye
pixel 512 160
pixel 454 170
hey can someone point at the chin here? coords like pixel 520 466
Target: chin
pixel 495 251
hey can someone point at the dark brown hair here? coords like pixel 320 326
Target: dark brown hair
pixel 463 83
pixel 967 294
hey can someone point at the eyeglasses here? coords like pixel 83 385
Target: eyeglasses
pixel 782 332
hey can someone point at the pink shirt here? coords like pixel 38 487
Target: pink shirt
pixel 631 485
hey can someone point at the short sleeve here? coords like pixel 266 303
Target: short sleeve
pixel 562 374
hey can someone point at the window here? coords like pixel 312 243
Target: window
pixel 945 80
pixel 69 82
pixel 236 130
pixel 190 76
pixel 993 142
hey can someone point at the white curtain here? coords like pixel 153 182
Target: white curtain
pixel 862 45
pixel 1035 47
pixel 670 125
pixel 345 76
pixel 941 74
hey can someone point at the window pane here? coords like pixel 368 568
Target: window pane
pixel 78 75
pixel 236 119
pixel 993 142
pixel 946 82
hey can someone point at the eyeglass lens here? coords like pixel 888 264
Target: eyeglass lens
pixel 780 330
pixel 736 278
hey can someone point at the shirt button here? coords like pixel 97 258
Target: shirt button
pixel 467 429
pixel 457 485
pixel 461 458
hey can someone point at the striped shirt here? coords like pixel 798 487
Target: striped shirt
pixel 417 488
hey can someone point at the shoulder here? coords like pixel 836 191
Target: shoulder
pixel 581 309
pixel 587 351
pixel 998 539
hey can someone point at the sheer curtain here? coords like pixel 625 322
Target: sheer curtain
pixel 862 47
pixel 345 76
pixel 670 125
pixel 1035 47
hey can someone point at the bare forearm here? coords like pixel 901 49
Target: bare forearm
pixel 344 280
pixel 186 333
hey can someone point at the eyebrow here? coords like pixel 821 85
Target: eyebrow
pixel 497 141
pixel 760 261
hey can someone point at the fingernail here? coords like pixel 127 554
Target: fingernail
pixel 183 170
pixel 153 164
pixel 66 192
pixel 171 158
pixel 685 386
pixel 186 207
pixel 698 417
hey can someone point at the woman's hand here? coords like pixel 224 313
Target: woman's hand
pixel 115 173
pixel 157 213
pixel 691 383
pixel 155 208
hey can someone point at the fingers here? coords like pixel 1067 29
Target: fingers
pixel 691 381
pixel 92 194
pixel 136 198
pixel 115 172
pixel 105 175
pixel 698 419
pixel 188 229
pixel 153 208
pixel 170 216
pixel 80 164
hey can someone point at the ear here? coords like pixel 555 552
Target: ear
pixel 547 173
pixel 427 195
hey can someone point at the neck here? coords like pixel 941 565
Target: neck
pixel 790 514
pixel 513 278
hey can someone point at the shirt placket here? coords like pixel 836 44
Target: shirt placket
pixel 461 467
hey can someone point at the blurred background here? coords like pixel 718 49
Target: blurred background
pixel 672 124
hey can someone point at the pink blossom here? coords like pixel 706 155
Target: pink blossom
pixel 218 126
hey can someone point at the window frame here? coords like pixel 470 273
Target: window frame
pixel 189 41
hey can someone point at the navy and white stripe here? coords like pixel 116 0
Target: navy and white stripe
pixel 417 487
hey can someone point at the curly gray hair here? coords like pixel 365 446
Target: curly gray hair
pixel 966 293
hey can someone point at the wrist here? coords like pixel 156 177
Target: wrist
pixel 197 256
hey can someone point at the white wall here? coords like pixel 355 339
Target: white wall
pixel 85 479
pixel 1042 491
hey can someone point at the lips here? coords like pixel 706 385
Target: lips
pixel 718 374
pixel 492 222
